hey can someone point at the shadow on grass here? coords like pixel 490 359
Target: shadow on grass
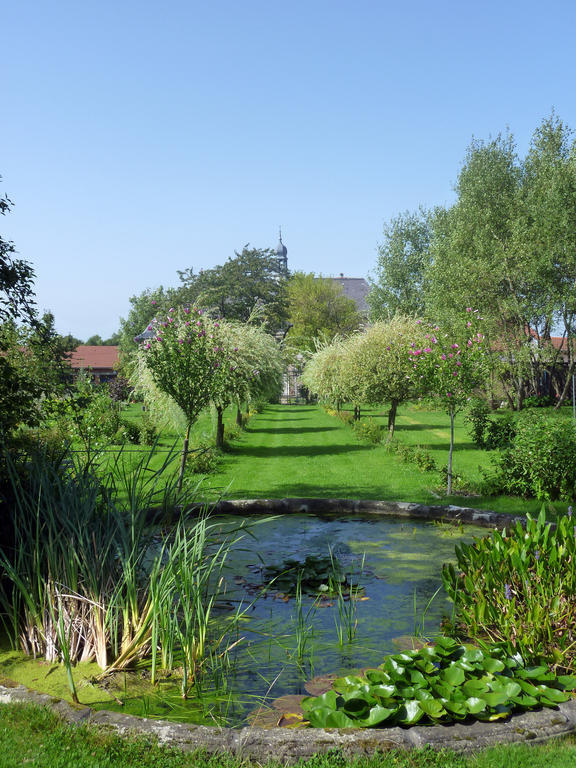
pixel 420 427
pixel 296 450
pixel 332 491
pixel 291 430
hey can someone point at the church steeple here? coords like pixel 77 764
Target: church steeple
pixel 282 255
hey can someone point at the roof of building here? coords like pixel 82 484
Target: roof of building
pixel 355 288
pixel 92 356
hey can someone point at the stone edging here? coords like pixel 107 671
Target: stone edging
pixel 290 745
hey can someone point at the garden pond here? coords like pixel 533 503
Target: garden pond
pixel 319 595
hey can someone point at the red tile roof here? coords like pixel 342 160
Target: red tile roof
pixel 94 357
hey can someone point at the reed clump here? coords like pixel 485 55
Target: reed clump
pixel 87 575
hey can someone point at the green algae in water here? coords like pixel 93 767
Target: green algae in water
pixel 397 563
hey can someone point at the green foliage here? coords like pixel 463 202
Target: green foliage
pixel 16 280
pixel 127 432
pixel 318 311
pixel 438 684
pixel 316 574
pixel 538 401
pixel 398 287
pixel 541 461
pixel 204 460
pixel 148 432
pixel 489 432
pixel 517 588
pixel 232 290
pixel 416 455
pixel 370 431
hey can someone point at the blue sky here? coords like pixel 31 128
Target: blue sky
pixel 139 138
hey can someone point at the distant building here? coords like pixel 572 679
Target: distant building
pixel 100 361
pixel 355 288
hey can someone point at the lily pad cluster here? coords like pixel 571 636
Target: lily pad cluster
pixel 316 574
pixel 438 683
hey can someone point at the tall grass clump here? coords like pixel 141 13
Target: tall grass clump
pixel 86 576
pixel 518 588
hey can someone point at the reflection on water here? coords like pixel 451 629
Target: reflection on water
pixel 395 563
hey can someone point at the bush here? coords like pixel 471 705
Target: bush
pixel 128 432
pixel 541 462
pixel 477 417
pixel 370 431
pixel 416 455
pixel 489 432
pixel 346 417
pixel 148 433
pixel 500 431
pixel 204 460
pixel 538 401
pixel 119 389
pixel 232 432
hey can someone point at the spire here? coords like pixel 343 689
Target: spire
pixel 281 253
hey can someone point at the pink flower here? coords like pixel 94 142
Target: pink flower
pixel 448 394
pixel 148 345
pixel 388 349
pixel 170 319
pixel 469 309
pixel 216 364
pixel 451 354
pixel 149 328
pixel 454 373
pixel 468 325
pixel 469 342
pixel 418 322
pixel 158 338
pixel 443 357
pixel 187 310
pixel 454 346
pixel 153 303
pixel 171 309
pixel 216 325
pixel 427 349
pixel 458 362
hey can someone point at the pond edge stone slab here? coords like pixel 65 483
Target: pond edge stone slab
pixel 288 746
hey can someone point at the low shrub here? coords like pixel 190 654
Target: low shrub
pixel 148 433
pixel 232 432
pixel 518 588
pixel 369 431
pixel 489 432
pixel 204 460
pixel 410 454
pixel 540 462
pixel 346 417
pixel 538 401
pixel 127 432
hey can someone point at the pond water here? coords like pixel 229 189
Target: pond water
pixel 390 567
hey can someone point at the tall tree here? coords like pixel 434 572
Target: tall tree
pixel 403 256
pixel 318 311
pixel 232 290
pixel 16 279
pixel 475 261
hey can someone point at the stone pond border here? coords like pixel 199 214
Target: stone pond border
pixel 287 745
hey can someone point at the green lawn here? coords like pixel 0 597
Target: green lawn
pixel 298 450
pixel 35 737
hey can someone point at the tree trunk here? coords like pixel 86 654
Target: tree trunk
pixel 184 456
pixel 392 418
pixel 219 427
pixel 450 452
pixel 338 405
pixel 238 417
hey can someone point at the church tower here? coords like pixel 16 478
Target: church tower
pixel 282 255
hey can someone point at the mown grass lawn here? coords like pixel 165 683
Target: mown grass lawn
pixel 301 451
pixel 33 736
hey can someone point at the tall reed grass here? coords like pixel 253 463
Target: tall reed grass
pixel 86 575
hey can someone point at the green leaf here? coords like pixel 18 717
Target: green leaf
pixel 475 705
pixel 474 687
pixel 410 713
pixel 568 681
pixel 383 691
pixel 495 699
pixel 453 675
pixel 472 654
pixel 432 707
pixel 553 693
pixel 356 708
pixel 493 665
pixel 377 716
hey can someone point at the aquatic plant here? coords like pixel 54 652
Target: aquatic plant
pixel 518 588
pixel 86 576
pixel 438 683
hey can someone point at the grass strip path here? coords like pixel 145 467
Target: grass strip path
pixel 300 451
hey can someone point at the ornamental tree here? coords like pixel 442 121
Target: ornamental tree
pixel 253 368
pixel 380 367
pixel 185 358
pixel 451 369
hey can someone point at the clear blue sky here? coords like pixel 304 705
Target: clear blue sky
pixel 138 137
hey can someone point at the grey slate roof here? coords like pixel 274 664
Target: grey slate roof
pixel 355 288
